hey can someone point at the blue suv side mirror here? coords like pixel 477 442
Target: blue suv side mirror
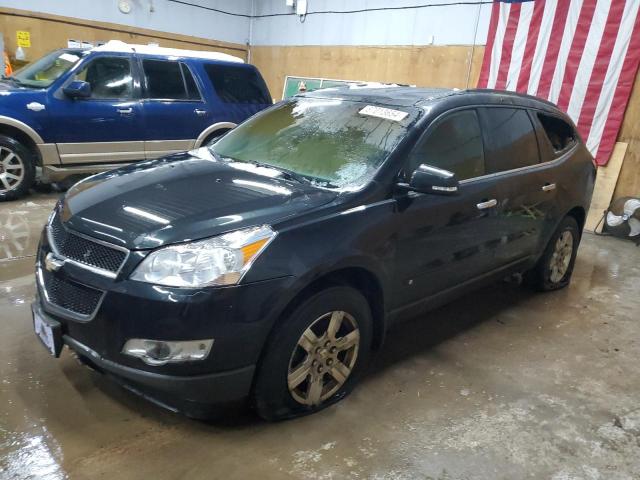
pixel 78 89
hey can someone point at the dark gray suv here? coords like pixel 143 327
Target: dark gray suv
pixel 269 265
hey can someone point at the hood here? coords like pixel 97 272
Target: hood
pixel 183 197
pixel 13 98
pixel 8 88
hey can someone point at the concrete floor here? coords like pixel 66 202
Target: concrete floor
pixel 504 384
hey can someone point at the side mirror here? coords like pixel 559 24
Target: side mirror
pixel 78 89
pixel 427 179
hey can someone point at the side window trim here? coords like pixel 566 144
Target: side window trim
pixel 536 132
pixel 184 66
pixel 429 129
pixel 538 166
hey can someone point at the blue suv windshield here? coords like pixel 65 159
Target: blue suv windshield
pixel 42 73
pixel 334 143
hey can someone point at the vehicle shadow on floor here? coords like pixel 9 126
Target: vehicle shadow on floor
pixel 423 332
pixel 410 338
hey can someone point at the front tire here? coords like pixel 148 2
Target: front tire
pixel 555 267
pixel 315 356
pixel 17 169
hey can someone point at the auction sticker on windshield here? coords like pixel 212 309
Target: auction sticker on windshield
pixel 385 113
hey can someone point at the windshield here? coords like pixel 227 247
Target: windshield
pixel 334 143
pixel 43 72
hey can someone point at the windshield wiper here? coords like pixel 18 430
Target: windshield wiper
pixel 288 174
pixel 12 79
pixel 291 175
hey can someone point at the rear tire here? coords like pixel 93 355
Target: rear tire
pixel 554 269
pixel 328 334
pixel 17 169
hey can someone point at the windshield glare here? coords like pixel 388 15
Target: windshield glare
pixel 331 142
pixel 43 72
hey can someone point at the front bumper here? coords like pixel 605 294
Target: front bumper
pixel 193 395
pixel 238 318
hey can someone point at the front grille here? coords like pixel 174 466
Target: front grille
pixel 71 296
pixel 82 250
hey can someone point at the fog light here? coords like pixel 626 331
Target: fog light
pixel 158 352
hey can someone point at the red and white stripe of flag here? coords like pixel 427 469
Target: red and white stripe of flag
pixel 582 55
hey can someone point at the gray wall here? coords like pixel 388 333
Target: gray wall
pixel 167 16
pixel 448 25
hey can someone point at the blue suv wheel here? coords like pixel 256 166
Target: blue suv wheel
pixel 17 171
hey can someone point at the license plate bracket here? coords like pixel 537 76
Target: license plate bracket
pixel 48 331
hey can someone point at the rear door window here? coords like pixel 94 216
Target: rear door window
pixel 454 144
pixel 237 84
pixel 560 134
pixel 169 80
pixel 510 137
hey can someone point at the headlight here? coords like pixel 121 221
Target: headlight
pixel 219 260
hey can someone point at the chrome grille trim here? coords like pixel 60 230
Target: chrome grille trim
pixel 91 268
pixel 57 309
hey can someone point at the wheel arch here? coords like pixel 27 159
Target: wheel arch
pixel 206 133
pixel 360 278
pixel 22 133
pixel 579 215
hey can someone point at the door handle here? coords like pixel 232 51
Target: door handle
pixel 125 111
pixel 488 204
pixel 200 113
pixel 547 187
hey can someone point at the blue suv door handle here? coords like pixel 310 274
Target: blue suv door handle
pixel 200 113
pixel 125 111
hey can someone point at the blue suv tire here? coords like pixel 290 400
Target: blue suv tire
pixel 17 169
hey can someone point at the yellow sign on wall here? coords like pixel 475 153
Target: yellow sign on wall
pixel 23 38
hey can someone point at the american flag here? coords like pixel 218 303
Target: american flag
pixel 580 54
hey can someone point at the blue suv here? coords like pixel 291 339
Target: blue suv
pixel 75 112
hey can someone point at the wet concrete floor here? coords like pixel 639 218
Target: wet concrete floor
pixel 503 384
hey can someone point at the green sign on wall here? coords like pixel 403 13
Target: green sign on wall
pixel 295 85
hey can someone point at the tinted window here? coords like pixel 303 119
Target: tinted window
pixel 237 84
pixel 455 144
pixel 511 138
pixel 164 80
pixel 110 77
pixel 559 133
pixel 192 90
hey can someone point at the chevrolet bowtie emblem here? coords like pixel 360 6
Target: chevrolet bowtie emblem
pixel 53 263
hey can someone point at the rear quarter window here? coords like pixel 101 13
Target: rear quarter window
pixel 559 133
pixel 237 84
pixel 511 139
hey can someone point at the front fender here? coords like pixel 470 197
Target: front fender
pixel 29 123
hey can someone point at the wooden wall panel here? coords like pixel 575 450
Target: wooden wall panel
pixel 629 179
pixel 445 66
pixel 49 32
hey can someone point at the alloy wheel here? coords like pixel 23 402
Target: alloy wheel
pixel 561 257
pixel 323 358
pixel 11 170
